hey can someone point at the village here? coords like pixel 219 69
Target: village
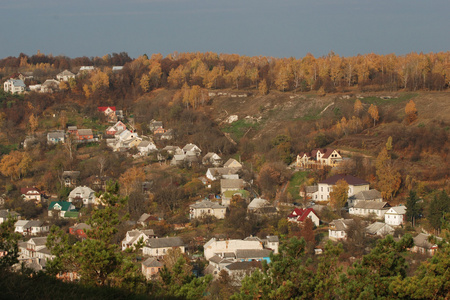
pixel 224 187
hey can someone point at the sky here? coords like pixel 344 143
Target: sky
pixel 281 28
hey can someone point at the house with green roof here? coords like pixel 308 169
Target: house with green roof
pixel 61 208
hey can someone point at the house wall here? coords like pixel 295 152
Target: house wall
pixel 337 235
pixel 393 219
pixel 219 213
pixel 229 246
pixel 379 213
pixel 323 193
pixel 158 251
pixel 150 272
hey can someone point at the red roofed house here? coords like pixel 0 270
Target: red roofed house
pixel 31 193
pixel 119 126
pixel 109 111
pixel 319 158
pixel 355 185
pixel 79 230
pixel 300 214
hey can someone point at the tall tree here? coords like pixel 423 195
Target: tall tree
pixel 373 112
pixel 339 195
pixel 412 207
pixel 389 179
pixel 411 112
pixel 357 107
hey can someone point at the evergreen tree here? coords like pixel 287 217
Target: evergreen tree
pixel 412 207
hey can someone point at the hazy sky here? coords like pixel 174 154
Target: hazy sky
pixel 281 28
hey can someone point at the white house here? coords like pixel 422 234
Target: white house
pixel 395 216
pixel 319 158
pixel 338 229
pixel 5 214
pixel 228 248
pixel 34 248
pixel 27 227
pixel 423 245
pixel 145 147
pixel 84 193
pixel 55 137
pixel 134 236
pixel 31 194
pixel 192 148
pixel 14 86
pixel 65 75
pixel 232 163
pixel 204 208
pixel 212 158
pixel 370 208
pixel 60 208
pixel 159 246
pixel 355 185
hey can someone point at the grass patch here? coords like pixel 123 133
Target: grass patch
pixel 380 101
pixel 294 184
pixel 5 149
pixel 239 128
pixel 312 114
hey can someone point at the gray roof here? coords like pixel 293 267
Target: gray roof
pixel 165 242
pixel 311 189
pixel 152 262
pixel 252 253
pixel 84 131
pixel 244 265
pixel 421 240
pixel 39 241
pixel 66 73
pixel 273 239
pixel 58 134
pixel 71 174
pixel 17 82
pixel 82 226
pixel 230 161
pixel 216 259
pixel 401 210
pixel 206 204
pixel 5 213
pixel 379 227
pixel 231 183
pixel 222 171
pixel 342 224
pixel 366 195
pixel 371 205
pixel 258 203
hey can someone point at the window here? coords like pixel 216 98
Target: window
pixel 321 189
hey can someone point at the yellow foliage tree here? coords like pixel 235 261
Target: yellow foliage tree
pixel 144 83
pixel 34 123
pixel 131 180
pixel 411 111
pixel 358 107
pixel 339 195
pixel 389 180
pixel 373 112
pixel 15 164
pixel 263 89
pixel 98 80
